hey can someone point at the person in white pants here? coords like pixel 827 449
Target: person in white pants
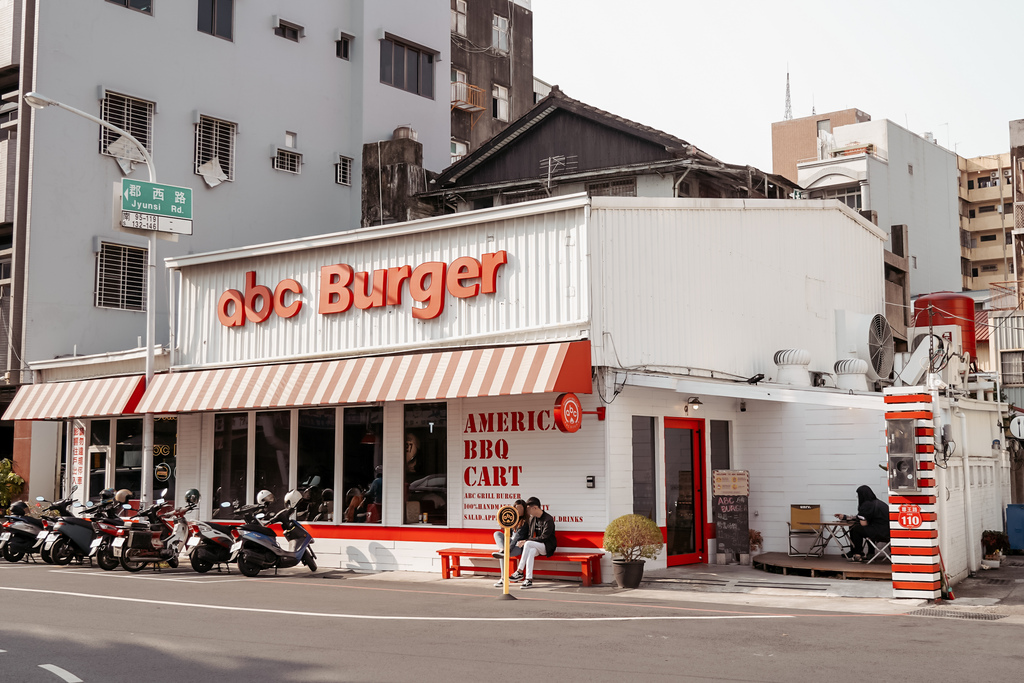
pixel 540 540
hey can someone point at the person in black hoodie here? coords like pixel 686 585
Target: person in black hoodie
pixel 871 521
pixel 540 538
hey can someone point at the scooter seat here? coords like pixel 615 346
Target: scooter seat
pixel 223 528
pixel 78 521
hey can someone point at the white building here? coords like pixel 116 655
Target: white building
pixel 262 107
pixel 905 179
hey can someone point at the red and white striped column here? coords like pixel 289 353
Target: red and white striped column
pixel 913 524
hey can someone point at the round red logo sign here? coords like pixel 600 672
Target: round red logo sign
pixel 910 516
pixel 568 413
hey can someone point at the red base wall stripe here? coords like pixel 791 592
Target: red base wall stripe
pixel 925 517
pixel 926 465
pixel 908 398
pixel 914 533
pixel 907 550
pixel 924 431
pixel 427 534
pixel 916 568
pixel 917 585
pixel 911 500
pixel 910 415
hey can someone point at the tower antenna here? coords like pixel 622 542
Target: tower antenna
pixel 789 105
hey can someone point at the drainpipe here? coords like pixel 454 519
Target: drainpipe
pixel 675 189
pixel 968 510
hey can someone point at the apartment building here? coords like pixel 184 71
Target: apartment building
pixel 801 139
pixel 986 221
pixel 261 107
pixel 491 68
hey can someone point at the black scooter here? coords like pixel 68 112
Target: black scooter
pixel 19 533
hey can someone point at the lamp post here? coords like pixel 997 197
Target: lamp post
pixel 37 101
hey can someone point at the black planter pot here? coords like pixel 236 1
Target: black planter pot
pixel 628 574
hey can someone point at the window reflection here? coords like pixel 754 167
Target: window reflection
pixel 362 475
pixel 230 441
pixel 316 465
pixel 426 463
pixel 272 448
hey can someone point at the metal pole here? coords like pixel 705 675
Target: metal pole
pixel 37 101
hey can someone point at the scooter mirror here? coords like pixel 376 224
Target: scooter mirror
pixel 225 504
pixel 126 506
pixel 40 499
pixel 73 489
pixel 315 481
pixel 260 516
pixel 78 504
pixel 160 501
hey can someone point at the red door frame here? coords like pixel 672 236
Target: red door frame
pixel 700 512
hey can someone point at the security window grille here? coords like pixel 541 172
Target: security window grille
pixel 132 115
pixel 459 17
pixel 613 188
pixel 289 31
pixel 1013 367
pixel 121 277
pixel 343 171
pixel 343 47
pixel 499 102
pixel 847 195
pixel 215 17
pixel 140 5
pixel 290 162
pixel 407 68
pixel 519 197
pixel 499 33
pixel 215 148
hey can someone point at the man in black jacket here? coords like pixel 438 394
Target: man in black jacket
pixel 871 521
pixel 540 538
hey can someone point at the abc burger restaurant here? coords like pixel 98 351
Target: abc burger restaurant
pixel 599 353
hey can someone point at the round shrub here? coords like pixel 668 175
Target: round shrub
pixel 633 537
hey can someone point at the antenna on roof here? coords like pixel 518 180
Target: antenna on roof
pixel 789 105
pixel 813 112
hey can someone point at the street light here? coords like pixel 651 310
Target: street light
pixel 37 101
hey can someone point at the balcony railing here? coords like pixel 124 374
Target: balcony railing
pixel 467 97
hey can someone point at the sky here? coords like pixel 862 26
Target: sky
pixel 714 73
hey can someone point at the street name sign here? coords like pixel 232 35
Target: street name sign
pixel 153 206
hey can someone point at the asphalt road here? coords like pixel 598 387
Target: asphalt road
pixel 337 626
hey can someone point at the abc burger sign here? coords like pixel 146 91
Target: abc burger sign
pixel 341 287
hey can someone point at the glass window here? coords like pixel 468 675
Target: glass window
pixel 643 466
pixel 316 460
pixel 215 17
pixel 165 452
pixel 426 463
pixel 99 441
pixel 499 102
pixel 128 458
pixel 230 448
pixel 140 5
pixel 720 459
pixel 406 67
pixel 362 476
pixel 499 33
pixel 459 17
pixel 272 455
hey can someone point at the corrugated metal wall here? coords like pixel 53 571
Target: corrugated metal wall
pixel 723 284
pixel 542 294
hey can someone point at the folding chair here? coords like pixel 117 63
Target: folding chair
pixel 803 521
pixel 879 550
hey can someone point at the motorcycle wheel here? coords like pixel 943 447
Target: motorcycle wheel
pixel 45 555
pixel 249 569
pixel 200 565
pixel 173 562
pixel 307 559
pixel 61 551
pixel 12 555
pixel 130 565
pixel 106 560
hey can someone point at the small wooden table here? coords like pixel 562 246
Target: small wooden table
pixel 828 532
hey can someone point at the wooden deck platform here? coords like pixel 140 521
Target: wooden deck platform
pixel 824 566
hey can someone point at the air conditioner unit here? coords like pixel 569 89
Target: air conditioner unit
pixel 944 343
pixel 1007 172
pixel 993 175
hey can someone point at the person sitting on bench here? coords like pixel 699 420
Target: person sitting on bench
pixel 540 537
pixel 871 521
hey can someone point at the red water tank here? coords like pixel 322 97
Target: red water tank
pixel 947 308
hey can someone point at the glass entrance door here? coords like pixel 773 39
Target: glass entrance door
pixel 684 491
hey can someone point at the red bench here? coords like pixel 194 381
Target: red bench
pixel 589 572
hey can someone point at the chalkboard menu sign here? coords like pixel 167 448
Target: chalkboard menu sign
pixel 731 519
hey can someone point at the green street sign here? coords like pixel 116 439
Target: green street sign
pixel 152 206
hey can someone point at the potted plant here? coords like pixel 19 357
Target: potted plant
pixel 10 484
pixel 756 540
pixel 632 538
pixel 994 542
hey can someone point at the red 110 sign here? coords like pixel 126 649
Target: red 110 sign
pixel 910 516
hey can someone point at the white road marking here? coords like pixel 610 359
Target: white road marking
pixel 2 651
pixel 125 575
pixel 381 617
pixel 63 673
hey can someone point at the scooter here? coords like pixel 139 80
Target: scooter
pixel 210 544
pixel 63 509
pixel 139 543
pixel 105 526
pixel 257 548
pixel 71 537
pixel 19 532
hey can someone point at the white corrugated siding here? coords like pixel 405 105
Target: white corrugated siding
pixel 723 284
pixel 542 295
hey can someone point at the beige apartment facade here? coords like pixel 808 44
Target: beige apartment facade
pixel 986 221
pixel 797 140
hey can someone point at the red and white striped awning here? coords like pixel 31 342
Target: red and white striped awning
pixel 504 371
pixel 84 398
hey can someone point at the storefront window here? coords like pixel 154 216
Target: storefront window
pixel 230 441
pixel 643 466
pixel 165 451
pixel 316 464
pixel 128 458
pixel 362 476
pixel 99 443
pixel 426 463
pixel 272 449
